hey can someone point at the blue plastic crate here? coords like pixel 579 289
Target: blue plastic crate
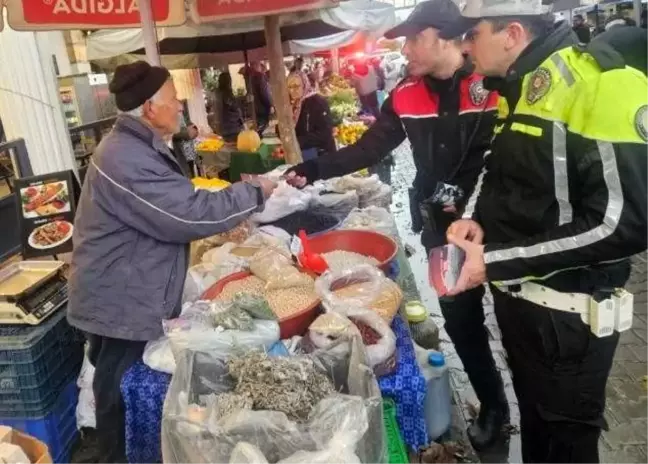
pixel 36 363
pixel 57 429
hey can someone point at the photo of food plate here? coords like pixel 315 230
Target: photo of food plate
pixel 50 235
pixel 45 199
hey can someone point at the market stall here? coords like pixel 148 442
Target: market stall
pixel 368 276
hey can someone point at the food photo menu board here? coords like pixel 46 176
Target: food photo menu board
pixel 46 207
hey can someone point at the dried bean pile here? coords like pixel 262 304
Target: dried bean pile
pixel 289 385
pixel 369 335
pixel 341 260
pixel 283 302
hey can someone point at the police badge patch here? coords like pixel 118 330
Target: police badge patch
pixel 478 93
pixel 539 85
pixel 641 122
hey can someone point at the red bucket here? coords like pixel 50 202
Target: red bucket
pixel 363 242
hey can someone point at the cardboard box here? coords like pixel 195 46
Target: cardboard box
pixel 36 450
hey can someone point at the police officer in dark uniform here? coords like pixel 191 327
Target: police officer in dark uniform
pixel 444 111
pixel 556 214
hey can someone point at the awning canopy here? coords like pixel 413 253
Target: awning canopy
pixel 119 14
pixel 302 32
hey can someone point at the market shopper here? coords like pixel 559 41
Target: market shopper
pixel 137 215
pixel 312 116
pixel 556 214
pixel 184 147
pixel 231 119
pixel 448 117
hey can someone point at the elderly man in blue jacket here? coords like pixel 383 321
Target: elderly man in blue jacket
pixel 137 215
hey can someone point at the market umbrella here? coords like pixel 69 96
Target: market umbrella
pixel 338 25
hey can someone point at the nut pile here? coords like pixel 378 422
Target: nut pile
pixel 284 302
pixel 341 260
pixel 289 385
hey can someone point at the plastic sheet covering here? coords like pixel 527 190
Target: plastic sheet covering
pixel 366 279
pixel 194 330
pixel 341 427
pixel 378 353
pixel 371 191
pixel 371 218
pixel 284 200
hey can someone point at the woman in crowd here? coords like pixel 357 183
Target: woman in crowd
pixel 184 147
pixel 231 121
pixel 312 115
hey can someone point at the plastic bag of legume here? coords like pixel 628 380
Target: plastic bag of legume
pixel 277 271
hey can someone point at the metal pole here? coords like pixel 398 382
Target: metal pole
pixel 149 33
pixel 636 4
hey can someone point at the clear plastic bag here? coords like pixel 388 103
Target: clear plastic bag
pixel 284 200
pixel 246 453
pixel 335 204
pixel 263 334
pixel 346 429
pixel 378 353
pixel 365 279
pixel 372 218
pixel 255 305
pixel 354 417
pixel 277 270
pixel 202 276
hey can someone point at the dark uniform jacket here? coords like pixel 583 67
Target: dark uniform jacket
pixel 448 123
pixel 562 199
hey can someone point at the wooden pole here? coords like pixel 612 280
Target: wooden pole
pixel 280 91
pixel 149 33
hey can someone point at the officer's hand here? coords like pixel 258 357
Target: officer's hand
pixel 466 229
pixel 473 272
pixel 295 180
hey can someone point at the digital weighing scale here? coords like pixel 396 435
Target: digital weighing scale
pixel 31 291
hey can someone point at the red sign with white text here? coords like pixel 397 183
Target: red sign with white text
pixel 222 9
pixel 89 14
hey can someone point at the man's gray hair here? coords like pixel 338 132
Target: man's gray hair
pixel 139 111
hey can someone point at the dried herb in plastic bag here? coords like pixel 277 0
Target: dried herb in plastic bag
pixel 232 318
pixel 255 305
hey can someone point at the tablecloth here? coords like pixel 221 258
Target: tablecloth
pixel 143 390
pixel 407 388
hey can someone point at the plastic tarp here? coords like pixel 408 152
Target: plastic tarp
pixel 304 32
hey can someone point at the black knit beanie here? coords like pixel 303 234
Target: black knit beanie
pixel 133 84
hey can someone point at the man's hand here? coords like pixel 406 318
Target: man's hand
pixel 267 186
pixel 450 209
pixel 466 229
pixel 473 272
pixel 296 181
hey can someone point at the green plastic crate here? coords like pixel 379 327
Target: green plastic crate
pixel 395 444
pixel 253 163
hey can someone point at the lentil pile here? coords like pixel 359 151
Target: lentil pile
pixel 289 385
pixel 284 302
pixel 341 260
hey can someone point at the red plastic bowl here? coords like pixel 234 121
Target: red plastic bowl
pixel 363 242
pixel 296 324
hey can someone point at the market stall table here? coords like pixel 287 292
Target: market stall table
pixel 144 391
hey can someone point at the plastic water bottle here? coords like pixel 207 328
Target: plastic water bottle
pixel 438 414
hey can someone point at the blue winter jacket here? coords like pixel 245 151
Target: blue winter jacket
pixel 137 215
